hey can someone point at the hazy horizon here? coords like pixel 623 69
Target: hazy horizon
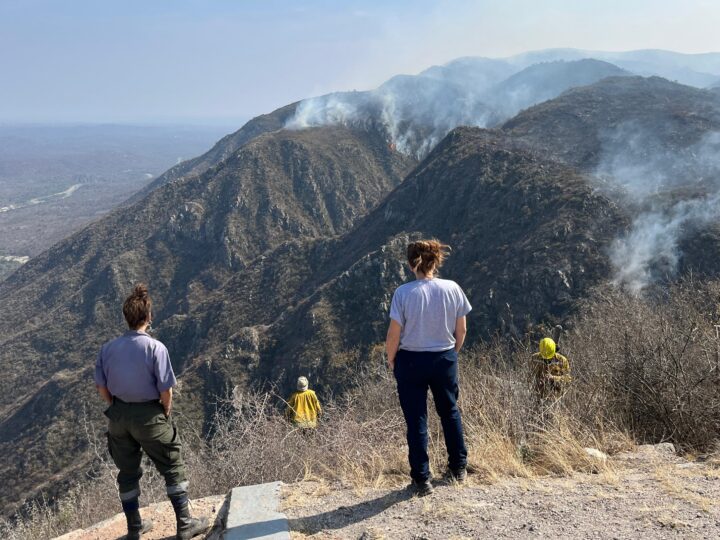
pixel 221 63
pixel 198 123
pixel 234 122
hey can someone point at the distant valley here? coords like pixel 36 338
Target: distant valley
pixel 56 179
pixel 42 200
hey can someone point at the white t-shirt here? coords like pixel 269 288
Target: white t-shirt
pixel 427 310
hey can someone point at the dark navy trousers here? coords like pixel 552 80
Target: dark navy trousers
pixel 415 372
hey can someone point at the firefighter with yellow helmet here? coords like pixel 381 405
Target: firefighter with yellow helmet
pixel 550 371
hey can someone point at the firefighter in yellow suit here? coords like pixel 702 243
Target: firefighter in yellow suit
pixel 303 406
pixel 550 371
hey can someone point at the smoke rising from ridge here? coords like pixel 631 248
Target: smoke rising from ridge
pixel 663 167
pixel 670 191
pixel 415 112
pixel 650 250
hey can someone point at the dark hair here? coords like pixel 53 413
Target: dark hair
pixel 427 256
pixel 137 307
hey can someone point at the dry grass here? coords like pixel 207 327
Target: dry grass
pixel 673 484
pixel 305 493
pixel 644 370
pixel 359 444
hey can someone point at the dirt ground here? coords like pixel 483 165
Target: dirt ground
pixel 163 519
pixel 648 494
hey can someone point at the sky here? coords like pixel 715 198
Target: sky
pixel 224 61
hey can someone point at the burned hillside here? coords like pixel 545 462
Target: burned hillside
pixel 278 251
pixel 198 230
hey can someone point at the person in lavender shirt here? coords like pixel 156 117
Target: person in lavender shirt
pixel 427 330
pixel 134 375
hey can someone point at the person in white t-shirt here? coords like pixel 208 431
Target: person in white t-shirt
pixel 427 329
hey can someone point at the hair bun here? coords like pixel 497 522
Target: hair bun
pixel 427 255
pixel 137 307
pixel 141 291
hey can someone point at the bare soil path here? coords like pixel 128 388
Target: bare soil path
pixel 645 495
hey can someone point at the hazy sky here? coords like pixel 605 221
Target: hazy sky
pixel 225 60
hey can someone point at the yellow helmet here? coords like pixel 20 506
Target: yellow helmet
pixel 547 348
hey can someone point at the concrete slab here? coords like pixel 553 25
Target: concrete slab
pixel 253 514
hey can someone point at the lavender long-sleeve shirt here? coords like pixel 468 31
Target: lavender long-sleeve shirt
pixel 134 367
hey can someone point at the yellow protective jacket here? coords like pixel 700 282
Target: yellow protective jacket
pixel 550 377
pixel 303 409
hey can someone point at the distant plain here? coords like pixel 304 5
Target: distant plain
pixel 56 179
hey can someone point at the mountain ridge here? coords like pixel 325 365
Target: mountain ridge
pixel 69 295
pixel 262 262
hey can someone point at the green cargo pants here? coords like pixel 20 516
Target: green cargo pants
pixel 134 427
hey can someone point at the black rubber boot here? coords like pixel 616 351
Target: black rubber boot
pixel 188 526
pixel 422 488
pixel 457 475
pixel 136 526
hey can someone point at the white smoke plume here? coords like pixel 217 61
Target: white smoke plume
pixel 650 250
pixel 416 112
pixel 671 185
pixel 671 193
